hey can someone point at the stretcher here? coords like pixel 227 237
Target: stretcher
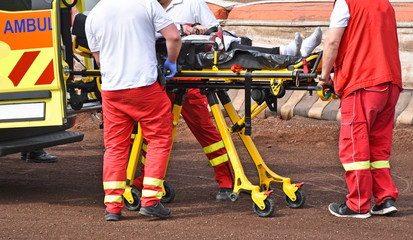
pixel 214 79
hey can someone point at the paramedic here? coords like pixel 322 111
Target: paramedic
pixel 195 108
pixel 38 156
pixel 121 35
pixel 362 44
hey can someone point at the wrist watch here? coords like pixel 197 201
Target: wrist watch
pixel 321 79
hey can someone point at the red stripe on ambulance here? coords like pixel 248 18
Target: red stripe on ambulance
pixel 47 76
pixel 22 67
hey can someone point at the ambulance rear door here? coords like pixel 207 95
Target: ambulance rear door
pixel 32 89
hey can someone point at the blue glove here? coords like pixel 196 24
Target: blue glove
pixel 171 67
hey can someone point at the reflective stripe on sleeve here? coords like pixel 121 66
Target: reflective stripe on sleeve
pixel 379 164
pixel 113 198
pixel 218 160
pixel 356 166
pixel 214 147
pixel 114 185
pixel 151 193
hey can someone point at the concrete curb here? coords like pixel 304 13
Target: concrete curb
pixel 302 103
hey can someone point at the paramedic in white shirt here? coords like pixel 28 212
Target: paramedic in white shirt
pixel 121 35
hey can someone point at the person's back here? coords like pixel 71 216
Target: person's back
pixel 122 32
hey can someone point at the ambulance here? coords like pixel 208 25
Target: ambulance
pixel 35 80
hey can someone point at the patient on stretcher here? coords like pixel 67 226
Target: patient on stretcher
pixel 227 41
pixel 232 50
pixel 197 52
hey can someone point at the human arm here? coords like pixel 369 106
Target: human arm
pixel 330 50
pixel 199 18
pixel 338 22
pixel 173 46
pixel 96 55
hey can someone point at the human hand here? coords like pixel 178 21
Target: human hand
pixel 326 91
pixel 199 29
pixel 171 67
pixel 327 81
pixel 188 30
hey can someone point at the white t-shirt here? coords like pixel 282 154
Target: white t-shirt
pixel 123 31
pixel 340 15
pixel 191 11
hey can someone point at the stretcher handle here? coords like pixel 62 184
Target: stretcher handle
pixel 294 75
pixel 326 96
pixel 305 75
pixel 86 73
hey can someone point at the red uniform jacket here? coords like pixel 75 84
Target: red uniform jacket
pixel 369 50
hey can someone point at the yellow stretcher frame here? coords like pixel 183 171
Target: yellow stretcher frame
pixel 263 205
pixel 278 81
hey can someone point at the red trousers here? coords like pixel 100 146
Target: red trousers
pixel 150 106
pixel 196 115
pixel 367 121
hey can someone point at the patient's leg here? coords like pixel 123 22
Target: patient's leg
pixel 293 48
pixel 310 43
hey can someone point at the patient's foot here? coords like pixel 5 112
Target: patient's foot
pixel 293 48
pixel 310 43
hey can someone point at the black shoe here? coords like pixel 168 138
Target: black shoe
pixel 40 156
pixel 224 195
pixel 386 208
pixel 112 216
pixel 341 210
pixel 23 155
pixel 156 210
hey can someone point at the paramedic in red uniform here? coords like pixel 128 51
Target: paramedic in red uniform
pixel 121 35
pixel 362 44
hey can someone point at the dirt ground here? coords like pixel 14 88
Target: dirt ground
pixel 64 200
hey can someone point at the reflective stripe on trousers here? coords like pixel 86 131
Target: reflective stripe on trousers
pixel 367 117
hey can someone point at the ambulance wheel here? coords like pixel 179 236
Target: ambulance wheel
pixel 297 203
pixel 267 211
pixel 136 205
pixel 169 193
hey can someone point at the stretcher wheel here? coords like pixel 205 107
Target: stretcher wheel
pixel 281 93
pixel 136 201
pixel 267 211
pixel 297 203
pixel 169 193
pixel 233 196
